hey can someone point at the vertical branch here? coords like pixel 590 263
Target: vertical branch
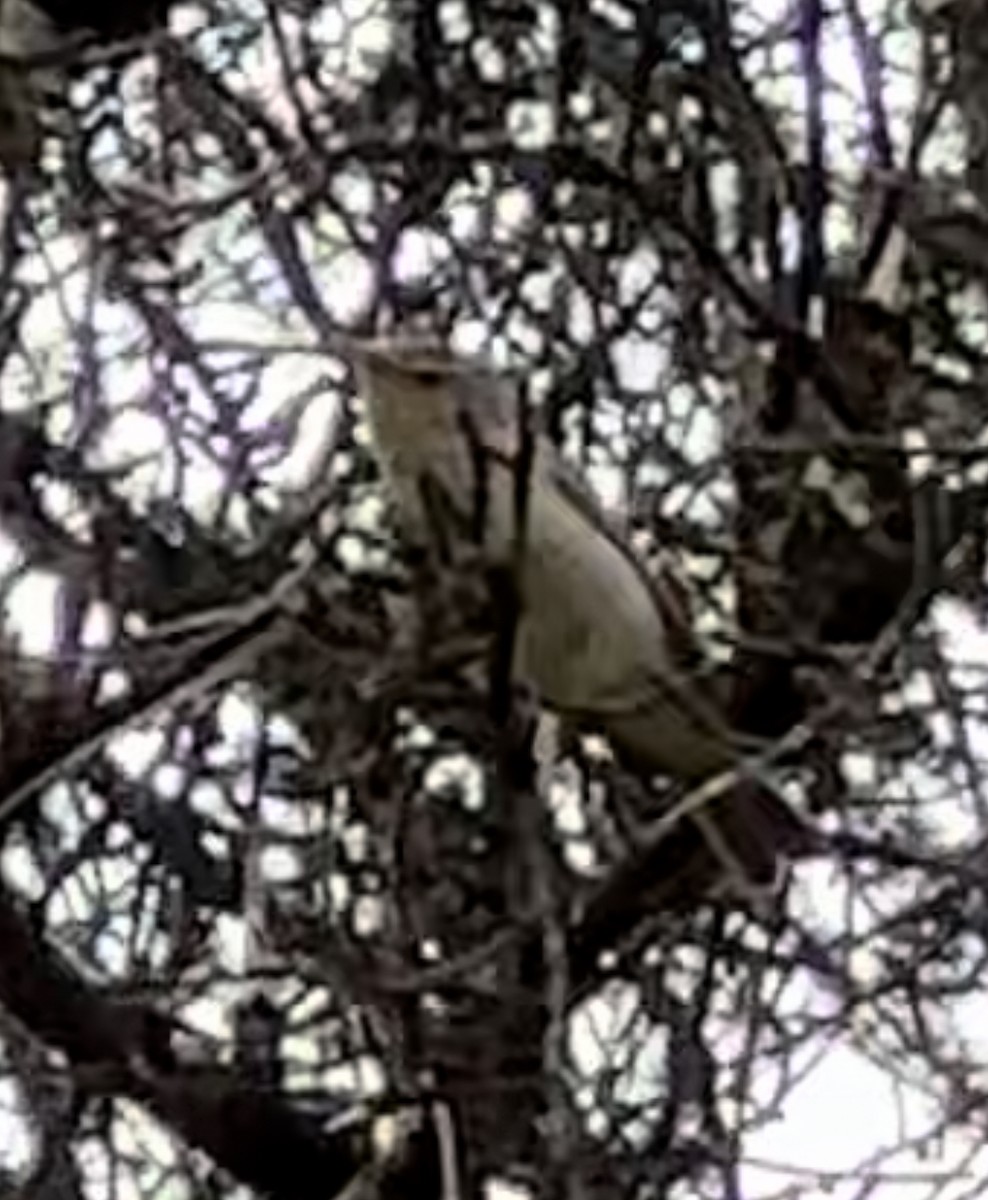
pixel 881 149
pixel 811 265
pixel 507 591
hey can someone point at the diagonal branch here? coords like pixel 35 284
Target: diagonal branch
pixel 122 1048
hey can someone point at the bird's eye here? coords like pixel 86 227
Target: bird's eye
pixel 429 376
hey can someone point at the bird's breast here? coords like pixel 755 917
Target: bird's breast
pixel 591 637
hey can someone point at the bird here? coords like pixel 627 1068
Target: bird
pixel 32 30
pixel 598 639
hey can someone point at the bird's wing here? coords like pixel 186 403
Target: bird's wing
pixel 494 420
pixel 491 413
pixel 676 684
pixel 667 590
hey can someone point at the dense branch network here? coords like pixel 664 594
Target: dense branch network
pixel 248 795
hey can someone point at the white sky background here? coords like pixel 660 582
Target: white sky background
pixel 846 1111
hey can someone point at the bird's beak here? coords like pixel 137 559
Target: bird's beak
pixel 368 354
pixel 354 349
pixel 388 356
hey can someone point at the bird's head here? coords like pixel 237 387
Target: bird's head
pixel 417 373
pixel 418 388
pixel 417 365
pixel 408 387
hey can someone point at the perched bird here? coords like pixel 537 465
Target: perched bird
pixel 46 30
pixel 596 637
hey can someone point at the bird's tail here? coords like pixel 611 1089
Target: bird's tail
pixel 729 824
pixel 738 842
pixel 28 92
pixel 19 131
pixel 675 872
pixel 746 835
